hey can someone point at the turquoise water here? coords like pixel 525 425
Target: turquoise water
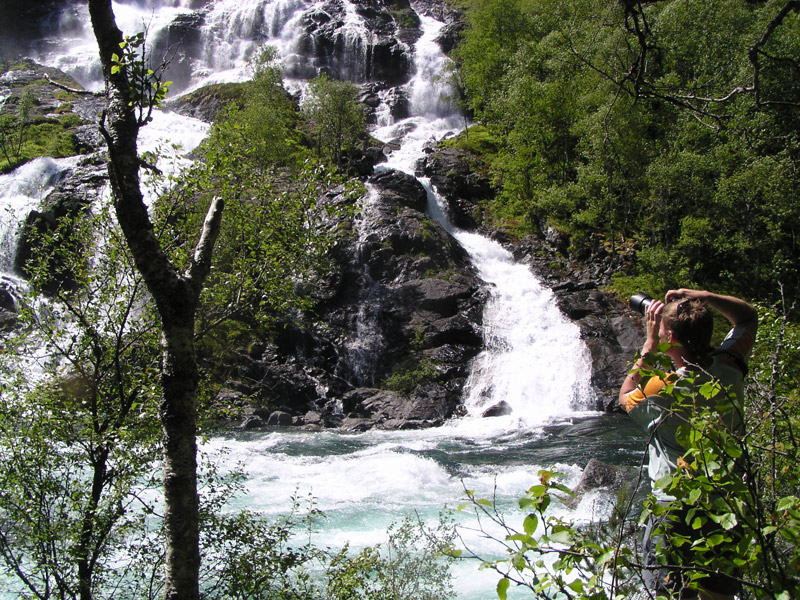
pixel 365 482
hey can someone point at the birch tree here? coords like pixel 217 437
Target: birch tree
pixel 131 93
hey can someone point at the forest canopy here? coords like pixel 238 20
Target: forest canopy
pixel 662 130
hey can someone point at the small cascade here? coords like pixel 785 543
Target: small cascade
pixel 232 32
pixel 534 365
pixel 21 191
pixel 430 94
pixel 366 341
pixel 352 58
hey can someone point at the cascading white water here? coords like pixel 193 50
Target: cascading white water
pixel 20 192
pixel 534 359
pixel 365 342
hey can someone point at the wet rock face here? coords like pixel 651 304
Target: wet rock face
pixel 371 48
pixel 458 178
pixel 8 309
pixel 44 229
pixel 397 321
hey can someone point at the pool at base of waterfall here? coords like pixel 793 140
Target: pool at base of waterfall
pixel 363 483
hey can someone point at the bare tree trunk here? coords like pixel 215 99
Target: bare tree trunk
pixel 176 297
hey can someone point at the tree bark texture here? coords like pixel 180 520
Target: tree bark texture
pixel 176 298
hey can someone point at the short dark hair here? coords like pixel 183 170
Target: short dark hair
pixel 693 325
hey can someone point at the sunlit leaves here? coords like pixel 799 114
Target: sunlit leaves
pixel 335 117
pixel 651 139
pixel 146 88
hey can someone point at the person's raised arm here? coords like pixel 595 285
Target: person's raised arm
pixel 653 325
pixel 736 310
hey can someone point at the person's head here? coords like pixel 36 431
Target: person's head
pixel 691 324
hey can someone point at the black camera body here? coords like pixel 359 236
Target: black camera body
pixel 639 302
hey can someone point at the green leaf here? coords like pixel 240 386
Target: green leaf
pixel 561 536
pixel 727 521
pixel 502 588
pixel 530 524
pixel 537 491
pixel 576 586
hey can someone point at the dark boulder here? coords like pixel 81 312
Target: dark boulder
pixel 500 409
pixel 387 409
pixel 456 175
pixel 206 102
pixel 180 44
pixel 8 309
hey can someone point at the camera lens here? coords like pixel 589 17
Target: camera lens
pixel 639 302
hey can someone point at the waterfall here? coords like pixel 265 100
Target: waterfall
pixel 533 361
pixel 364 345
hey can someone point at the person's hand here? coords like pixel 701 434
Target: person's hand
pixel 684 293
pixel 653 325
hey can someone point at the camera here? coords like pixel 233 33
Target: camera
pixel 639 302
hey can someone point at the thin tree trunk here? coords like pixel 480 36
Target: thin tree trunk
pixel 178 414
pixel 176 297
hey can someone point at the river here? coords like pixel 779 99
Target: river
pixel 533 359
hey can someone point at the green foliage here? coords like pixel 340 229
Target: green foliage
pixel 270 247
pixel 26 134
pixel 273 240
pixel 414 564
pixel 79 444
pixel 476 139
pixel 13 128
pixel 739 497
pixel 251 557
pixel 644 122
pixel 263 121
pixel 335 117
pixel 79 433
pixel 552 556
pixel 146 88
pixel 405 377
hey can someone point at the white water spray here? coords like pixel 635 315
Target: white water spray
pixel 20 192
